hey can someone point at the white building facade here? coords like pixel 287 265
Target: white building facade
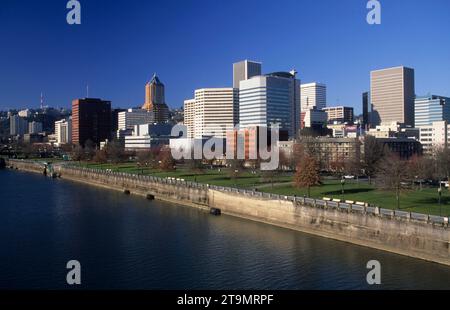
pixel 213 112
pixel 63 131
pixel 434 136
pixel 313 95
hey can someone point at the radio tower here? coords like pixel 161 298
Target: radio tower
pixel 42 101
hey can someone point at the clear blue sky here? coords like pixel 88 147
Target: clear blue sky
pixel 192 44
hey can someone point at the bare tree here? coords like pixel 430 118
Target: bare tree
pixel 100 157
pixel 421 168
pixel 166 161
pixel 372 156
pixel 392 175
pixel 442 156
pixel 236 167
pixel 115 152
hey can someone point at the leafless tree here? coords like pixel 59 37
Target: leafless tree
pixel 373 154
pixel 392 175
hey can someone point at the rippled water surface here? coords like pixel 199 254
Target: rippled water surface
pixel 126 242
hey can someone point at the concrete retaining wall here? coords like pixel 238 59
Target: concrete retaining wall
pixel 414 235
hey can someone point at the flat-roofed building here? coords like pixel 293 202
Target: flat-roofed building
pixel 215 112
pixel 430 109
pixel 245 70
pixel 339 114
pixel 91 120
pixel 313 95
pixel 392 93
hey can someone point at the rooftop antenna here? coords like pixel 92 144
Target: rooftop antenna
pixel 42 100
pixel 87 90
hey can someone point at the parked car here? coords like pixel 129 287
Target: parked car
pixel 349 177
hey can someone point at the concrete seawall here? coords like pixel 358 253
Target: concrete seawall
pixel 388 231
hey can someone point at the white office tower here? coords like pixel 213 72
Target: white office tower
pixel 189 115
pixel 434 137
pixel 245 70
pixel 215 111
pixel 313 95
pixel 271 99
pixel 128 119
pixel 63 131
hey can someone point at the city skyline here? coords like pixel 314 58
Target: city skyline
pixel 60 50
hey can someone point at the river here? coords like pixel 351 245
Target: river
pixel 127 242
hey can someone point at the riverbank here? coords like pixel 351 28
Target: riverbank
pixel 413 235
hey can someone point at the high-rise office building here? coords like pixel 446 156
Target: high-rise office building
pixel 366 108
pixel 115 119
pixel 434 136
pixel 189 116
pixel 313 95
pixel 430 109
pixel 392 95
pixel 131 117
pixel 34 127
pixel 214 111
pixel 91 120
pixel 245 70
pixel 63 131
pixel 271 99
pixel 18 126
pixel 155 100
pixel 339 114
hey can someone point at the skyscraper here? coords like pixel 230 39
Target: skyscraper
pixel 91 120
pixel 245 70
pixel 339 114
pixel 63 131
pixel 213 111
pixel 17 125
pixel 430 109
pixel 313 95
pixel 34 127
pixel 271 99
pixel 392 95
pixel 365 109
pixel 155 100
pixel 189 116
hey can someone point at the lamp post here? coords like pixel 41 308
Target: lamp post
pixel 440 195
pixel 342 187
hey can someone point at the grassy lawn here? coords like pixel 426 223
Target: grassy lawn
pixel 424 201
pixel 213 177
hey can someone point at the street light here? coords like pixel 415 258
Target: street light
pixel 440 195
pixel 342 186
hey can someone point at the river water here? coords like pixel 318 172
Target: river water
pixel 127 242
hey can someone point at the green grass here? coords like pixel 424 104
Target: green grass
pixel 420 201
pixel 213 177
